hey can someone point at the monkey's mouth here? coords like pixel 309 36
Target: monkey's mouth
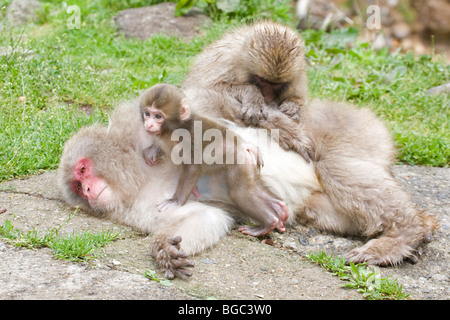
pixel 153 132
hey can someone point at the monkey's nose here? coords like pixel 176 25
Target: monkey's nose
pixel 86 190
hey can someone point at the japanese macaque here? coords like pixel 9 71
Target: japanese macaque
pixel 255 69
pixel 164 110
pixel 348 188
pixel 349 191
pixel 102 171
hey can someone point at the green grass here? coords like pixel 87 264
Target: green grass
pixel 43 93
pixel 74 247
pixel 366 280
pixel 151 275
pixel 394 85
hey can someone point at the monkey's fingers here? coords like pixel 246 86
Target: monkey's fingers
pixel 180 264
pixel 252 114
pixel 183 273
pixel 304 153
pixel 305 150
pixel 178 268
pixel 291 109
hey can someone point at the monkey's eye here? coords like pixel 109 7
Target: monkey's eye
pixel 78 186
pixel 83 169
pixel 158 116
pixel 147 113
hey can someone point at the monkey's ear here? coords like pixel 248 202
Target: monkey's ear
pixel 185 110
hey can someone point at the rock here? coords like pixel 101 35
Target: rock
pixel 21 11
pixel 145 22
pixel 445 88
pixel 320 14
pixel 433 14
pixel 401 30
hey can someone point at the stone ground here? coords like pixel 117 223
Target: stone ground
pixel 238 267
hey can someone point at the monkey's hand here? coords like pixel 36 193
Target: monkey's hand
pixel 300 143
pixel 252 114
pixel 172 259
pixel 254 109
pixel 291 109
pixel 152 155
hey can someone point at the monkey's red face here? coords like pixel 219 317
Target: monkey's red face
pixel 153 119
pixel 269 90
pixel 88 186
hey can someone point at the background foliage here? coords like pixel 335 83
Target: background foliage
pixel 54 80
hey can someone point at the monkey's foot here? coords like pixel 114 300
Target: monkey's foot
pixel 261 230
pixel 167 205
pixel 382 252
pixel 281 209
pixel 171 258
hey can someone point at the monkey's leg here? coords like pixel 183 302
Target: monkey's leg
pixel 320 214
pixel 367 194
pixel 403 238
pixel 257 203
pixel 186 185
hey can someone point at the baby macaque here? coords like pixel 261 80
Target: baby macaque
pixel 166 115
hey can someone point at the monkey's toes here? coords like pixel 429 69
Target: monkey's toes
pixel 257 231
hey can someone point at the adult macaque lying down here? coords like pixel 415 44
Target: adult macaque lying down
pixel 348 190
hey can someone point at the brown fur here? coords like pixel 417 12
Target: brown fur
pixel 243 182
pixel 353 154
pixel 232 68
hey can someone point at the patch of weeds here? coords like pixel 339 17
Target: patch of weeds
pixel 81 247
pixel 29 240
pixel 366 280
pixel 74 247
pixel 151 274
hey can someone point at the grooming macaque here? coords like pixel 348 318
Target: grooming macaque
pixel 255 69
pixel 165 109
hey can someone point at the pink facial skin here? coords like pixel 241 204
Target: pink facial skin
pixel 153 119
pixel 88 186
